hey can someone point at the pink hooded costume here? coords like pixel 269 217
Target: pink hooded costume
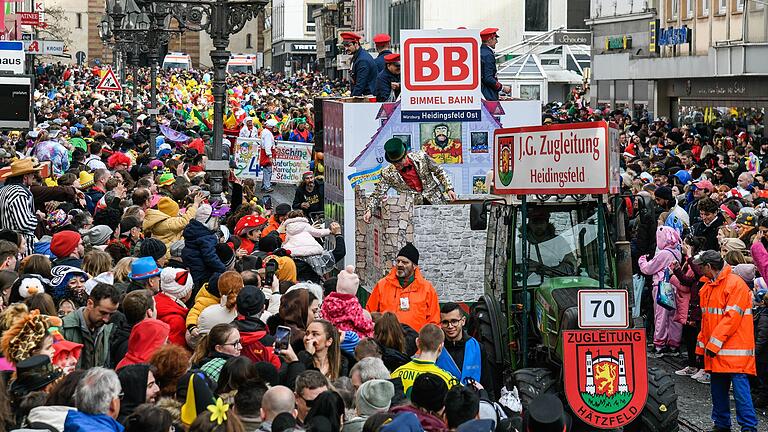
pixel 300 237
pixel 667 331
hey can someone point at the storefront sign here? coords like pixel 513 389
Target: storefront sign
pixel 12 57
pixel 669 36
pixel 292 160
pixel 572 38
pixel 441 76
pixel 556 159
pixel 675 36
pixel 303 48
pixel 653 43
pixel 618 42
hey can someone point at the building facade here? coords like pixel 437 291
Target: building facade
pixel 294 45
pixel 697 62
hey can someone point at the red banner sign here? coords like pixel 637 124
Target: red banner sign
pixel 29 18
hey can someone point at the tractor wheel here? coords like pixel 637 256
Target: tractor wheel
pixel 660 412
pixel 486 326
pixel 532 382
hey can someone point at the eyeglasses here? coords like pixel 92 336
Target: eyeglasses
pixel 451 323
pixel 235 343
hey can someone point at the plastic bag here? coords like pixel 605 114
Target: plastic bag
pixel 511 400
pixel 665 296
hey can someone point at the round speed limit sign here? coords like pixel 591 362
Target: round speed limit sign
pixel 603 309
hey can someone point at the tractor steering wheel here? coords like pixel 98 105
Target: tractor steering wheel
pixel 547 269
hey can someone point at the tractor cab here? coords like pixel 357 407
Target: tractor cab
pixel 562 253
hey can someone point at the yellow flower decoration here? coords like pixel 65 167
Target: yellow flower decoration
pixel 218 411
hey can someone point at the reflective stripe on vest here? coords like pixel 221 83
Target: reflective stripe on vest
pixel 710 310
pixel 737 352
pixel 739 310
pixel 700 344
pixel 713 340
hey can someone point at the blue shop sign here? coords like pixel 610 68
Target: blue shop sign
pixel 674 36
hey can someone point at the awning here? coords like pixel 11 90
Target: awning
pixel 563 76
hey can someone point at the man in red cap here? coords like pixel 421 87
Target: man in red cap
pixel 388 80
pixel 363 71
pixel 490 85
pixel 382 41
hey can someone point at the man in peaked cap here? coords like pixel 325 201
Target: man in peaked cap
pixel 388 80
pixel 490 84
pixel 382 41
pixel 363 72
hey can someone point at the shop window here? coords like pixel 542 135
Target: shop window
pixel 536 15
pixel 530 92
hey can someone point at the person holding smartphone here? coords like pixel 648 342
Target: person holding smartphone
pixel 321 352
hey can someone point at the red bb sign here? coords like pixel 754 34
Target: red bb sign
pixel 440 75
pixel 441 64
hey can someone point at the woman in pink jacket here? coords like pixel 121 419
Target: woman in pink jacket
pixel 667 333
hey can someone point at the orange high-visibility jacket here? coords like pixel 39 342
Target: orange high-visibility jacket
pixel 726 324
pixel 423 307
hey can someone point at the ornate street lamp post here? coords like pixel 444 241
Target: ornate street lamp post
pixel 220 19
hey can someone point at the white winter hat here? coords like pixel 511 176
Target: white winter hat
pixel 177 283
pixel 213 315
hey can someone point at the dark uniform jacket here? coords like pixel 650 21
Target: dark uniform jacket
pixel 490 85
pixel 384 87
pixel 363 73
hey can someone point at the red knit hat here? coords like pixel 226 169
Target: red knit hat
pixel 64 243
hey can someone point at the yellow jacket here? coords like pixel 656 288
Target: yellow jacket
pixel 409 371
pixel 203 299
pixel 166 228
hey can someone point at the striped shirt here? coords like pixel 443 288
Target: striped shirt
pixel 17 212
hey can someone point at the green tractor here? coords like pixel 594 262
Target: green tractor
pixel 531 292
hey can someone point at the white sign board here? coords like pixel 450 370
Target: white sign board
pixel 603 309
pixel 573 158
pixel 44 47
pixel 12 57
pixel 291 160
pixel 440 75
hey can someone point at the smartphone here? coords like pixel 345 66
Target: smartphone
pixel 270 268
pixel 282 338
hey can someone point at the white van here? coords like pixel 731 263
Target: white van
pixel 177 61
pixel 244 63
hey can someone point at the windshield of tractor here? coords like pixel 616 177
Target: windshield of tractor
pixel 562 241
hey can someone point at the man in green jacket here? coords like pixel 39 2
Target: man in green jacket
pixel 90 326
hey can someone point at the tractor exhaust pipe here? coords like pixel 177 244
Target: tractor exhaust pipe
pixel 623 253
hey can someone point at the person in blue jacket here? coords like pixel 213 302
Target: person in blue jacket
pixel 382 41
pixel 363 72
pixel 462 355
pixel 490 85
pixel 200 240
pixel 388 80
